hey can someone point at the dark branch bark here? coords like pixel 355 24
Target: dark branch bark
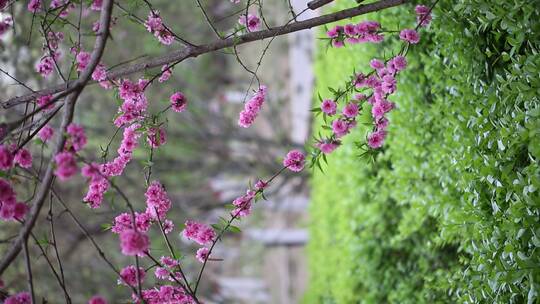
pixel 190 51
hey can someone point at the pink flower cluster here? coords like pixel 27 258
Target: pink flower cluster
pixel 124 221
pixel 98 185
pixel 97 300
pixel 46 64
pixel 134 242
pixel 156 137
pixel 178 102
pixel 19 298
pixel 135 102
pixel 157 201
pixel 166 73
pixel 5 24
pixel 45 102
pixel 423 15
pixel 76 139
pixel 167 271
pixel 155 25
pixel 294 161
pixel 128 275
pixel 96 5
pixel 199 232
pixel 366 31
pixel 243 203
pixel 83 59
pixel 165 294
pixel 409 35
pixel 252 108
pixel 10 209
pixel 46 133
pixel 34 6
pixel 252 22
pixel 66 165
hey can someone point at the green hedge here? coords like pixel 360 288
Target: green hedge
pixel 449 212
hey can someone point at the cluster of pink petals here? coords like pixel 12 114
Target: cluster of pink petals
pixel 10 209
pixel 166 73
pixel 157 201
pixel 294 160
pixel 252 22
pixel 57 4
pixel 97 300
pixel 45 66
pixel 46 133
pixel 34 6
pixel 23 158
pixel 201 233
pixel 124 221
pixel 366 31
pixel 77 138
pixel 19 298
pixel 167 271
pixel 5 24
pixel 243 204
pixel 125 152
pixel 202 254
pixel 155 25
pixel 100 73
pixel 135 102
pixel 96 5
pixel 45 102
pixel 134 242
pixel 156 137
pixel 329 107
pixel 252 108
pixel 98 185
pixel 128 275
pixel 66 165
pixel 409 35
pixel 165 294
pixel 83 59
pixel 328 146
pixel 423 15
pixel 6 158
pixel 178 102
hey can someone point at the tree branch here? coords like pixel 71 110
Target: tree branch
pixel 99 46
pixel 194 51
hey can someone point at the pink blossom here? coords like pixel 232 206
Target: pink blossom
pixel 161 273
pixel 202 254
pixel 423 15
pixel 178 102
pixel 168 261
pixel 97 188
pixel 382 124
pixel 294 160
pixel 34 6
pixel 45 66
pixel 128 275
pixel 168 226
pixel 376 139
pixel 97 300
pixel 328 147
pixel 46 133
pixel 376 64
pixel 77 137
pixel 252 24
pixel 260 185
pixel 340 127
pixel 252 108
pixel 388 84
pixel 329 107
pixel 20 298
pixel 6 191
pixel 166 73
pixel 409 35
pixel 23 158
pixel 351 110
pixel 155 25
pixel 66 165
pixel 6 158
pixel 367 31
pixel 83 59
pixel 133 242
pixel 397 64
pixel 156 137
pixel 124 222
pixel 199 232
pixel 157 200
pixel 243 204
pixel 45 102
pixel 5 24
pixel 100 73
pixel 96 5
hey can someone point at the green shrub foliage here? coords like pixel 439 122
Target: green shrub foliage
pixel 450 210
